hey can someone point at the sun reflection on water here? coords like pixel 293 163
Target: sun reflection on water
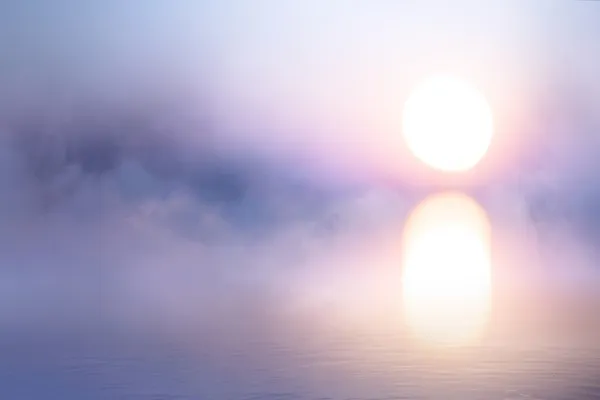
pixel 446 280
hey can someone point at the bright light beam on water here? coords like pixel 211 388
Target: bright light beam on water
pixel 446 282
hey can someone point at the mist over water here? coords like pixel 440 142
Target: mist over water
pixel 210 201
pixel 291 312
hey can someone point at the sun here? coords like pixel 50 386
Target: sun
pixel 447 124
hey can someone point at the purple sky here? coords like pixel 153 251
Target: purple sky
pixel 148 134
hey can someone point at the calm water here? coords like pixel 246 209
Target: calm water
pixel 284 363
pixel 539 340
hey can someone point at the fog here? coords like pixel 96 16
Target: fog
pixel 167 160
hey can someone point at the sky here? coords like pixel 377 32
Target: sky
pixel 148 145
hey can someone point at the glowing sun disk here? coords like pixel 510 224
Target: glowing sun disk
pixel 447 124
